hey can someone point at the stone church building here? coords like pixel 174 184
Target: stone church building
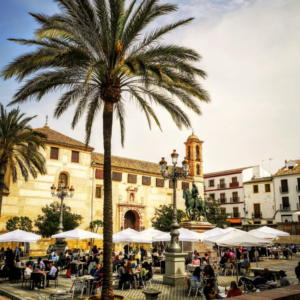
pixel 138 186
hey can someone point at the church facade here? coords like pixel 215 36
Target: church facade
pixel 138 186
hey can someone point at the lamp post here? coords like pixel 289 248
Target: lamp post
pixel 173 175
pixel 61 193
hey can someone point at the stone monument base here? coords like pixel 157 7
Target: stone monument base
pixel 175 268
pixel 202 248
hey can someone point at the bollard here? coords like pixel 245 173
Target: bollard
pixel 151 294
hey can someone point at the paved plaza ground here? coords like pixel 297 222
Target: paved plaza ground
pixel 168 292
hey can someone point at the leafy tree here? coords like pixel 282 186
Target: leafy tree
pixel 97 52
pixel 95 225
pixel 47 223
pixel 19 146
pixel 22 223
pixel 214 214
pixel 163 217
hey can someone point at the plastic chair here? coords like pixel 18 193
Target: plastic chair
pixel 53 279
pixel 96 285
pixel 229 268
pixel 192 282
pixel 146 279
pixel 78 285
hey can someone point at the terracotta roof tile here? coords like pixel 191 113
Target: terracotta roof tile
pixel 263 179
pixel 295 170
pixel 226 172
pixel 55 137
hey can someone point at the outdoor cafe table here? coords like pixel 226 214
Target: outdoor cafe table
pixel 88 279
pixel 60 294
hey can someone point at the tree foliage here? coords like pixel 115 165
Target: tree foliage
pixel 95 225
pixel 47 223
pixel 214 214
pixel 22 223
pixel 163 217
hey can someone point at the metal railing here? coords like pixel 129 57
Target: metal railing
pixel 222 200
pixel 233 184
pixel 285 207
pixel 235 200
pixel 235 215
pixel 256 215
pixel 284 189
pixel 222 186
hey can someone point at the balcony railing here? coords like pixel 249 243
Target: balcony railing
pixel 297 188
pixel 233 184
pixel 256 215
pixel 222 200
pixel 235 215
pixel 222 186
pixel 284 189
pixel 235 200
pixel 285 207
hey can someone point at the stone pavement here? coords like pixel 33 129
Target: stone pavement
pixel 168 292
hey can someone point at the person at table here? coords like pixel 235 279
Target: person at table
pixel 208 291
pixel 17 251
pixel 30 262
pixel 9 258
pixel 51 273
pixel 234 290
pixel 197 278
pixel 203 262
pixel 243 263
pixel 94 250
pixel 93 271
pixel 206 256
pixel 258 279
pixel 208 271
pixel 116 261
pixel 137 256
pixel 49 251
pixel 41 263
pixel 196 261
pixel 142 251
pixel 267 275
pixel 121 256
pixel 37 270
pixel 127 248
pixel 28 271
pixel 195 254
pixel 17 260
pixel 283 279
pixel 297 271
pixel 293 248
pixel 121 270
pixel 127 276
pixel 54 257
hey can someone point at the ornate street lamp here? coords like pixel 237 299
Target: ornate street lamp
pixel 61 193
pixel 174 174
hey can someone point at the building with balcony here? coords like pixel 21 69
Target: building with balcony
pixel 227 188
pixel 259 203
pixel 287 193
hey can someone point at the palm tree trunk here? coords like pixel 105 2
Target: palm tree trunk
pixel 107 289
pixel 2 174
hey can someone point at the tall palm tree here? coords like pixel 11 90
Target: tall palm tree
pixel 19 146
pixel 99 52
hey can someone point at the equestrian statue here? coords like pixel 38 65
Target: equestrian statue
pixel 193 203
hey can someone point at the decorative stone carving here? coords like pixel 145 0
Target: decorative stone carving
pixel 131 194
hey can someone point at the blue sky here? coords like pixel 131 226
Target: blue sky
pixel 250 51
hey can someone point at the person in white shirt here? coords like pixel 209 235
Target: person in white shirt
pixel 28 271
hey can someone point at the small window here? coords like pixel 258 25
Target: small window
pixel 223 210
pixel 212 196
pixel 291 167
pixel 98 192
pixel 256 222
pixel 171 184
pixel 211 183
pixel 160 182
pixel 255 189
pixel 234 179
pixel 54 153
pixel 146 180
pixel 116 176
pixel 63 178
pixel 198 170
pixel 267 188
pixel 132 178
pixel 269 222
pixel 185 185
pixel 75 156
pixel 99 174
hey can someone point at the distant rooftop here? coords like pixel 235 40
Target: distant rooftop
pixel 226 172
pixel 284 171
pixel 263 179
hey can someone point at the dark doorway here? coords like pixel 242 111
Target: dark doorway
pixel 129 220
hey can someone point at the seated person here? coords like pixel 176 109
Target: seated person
pixel 208 271
pixel 93 271
pixel 127 276
pixel 203 262
pixel 196 277
pixel 54 257
pixel 30 262
pixel 121 270
pixel 297 271
pixel 121 256
pixel 207 257
pixel 51 273
pixel 243 263
pixel 234 290
pixel 28 271
pixel 116 260
pixel 283 279
pixel 267 275
pixel 98 271
pixel 257 280
pixel 41 263
pixel 208 291
pixel 37 282
pixel 195 254
pixel 285 253
pixel 196 261
pixel 228 265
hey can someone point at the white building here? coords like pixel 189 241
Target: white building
pixel 287 191
pixel 227 188
pixel 259 202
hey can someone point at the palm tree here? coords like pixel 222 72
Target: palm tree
pixel 19 147
pixel 98 52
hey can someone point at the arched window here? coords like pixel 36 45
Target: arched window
pixel 63 178
pixel 198 170
pixel 189 152
pixel 197 152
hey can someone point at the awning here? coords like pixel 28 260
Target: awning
pixel 234 221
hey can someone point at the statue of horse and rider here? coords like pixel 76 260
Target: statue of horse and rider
pixel 193 203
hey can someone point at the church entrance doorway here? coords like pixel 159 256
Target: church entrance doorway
pixel 131 220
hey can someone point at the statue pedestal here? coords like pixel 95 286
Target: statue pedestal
pixel 202 248
pixel 175 268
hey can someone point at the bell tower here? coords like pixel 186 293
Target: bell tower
pixel 193 149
